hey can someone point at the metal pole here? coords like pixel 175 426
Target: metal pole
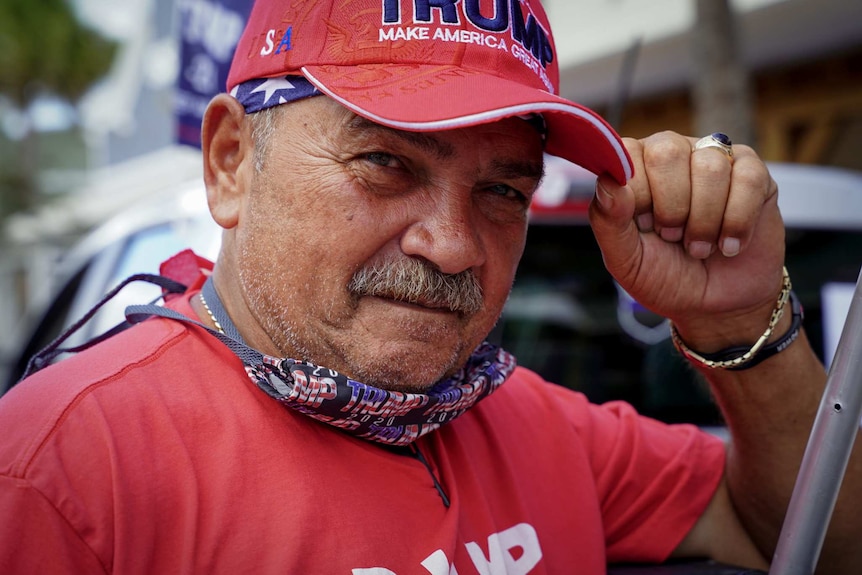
pixel 826 454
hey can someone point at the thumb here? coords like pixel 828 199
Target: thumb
pixel 612 219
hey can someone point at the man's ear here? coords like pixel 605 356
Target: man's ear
pixel 228 154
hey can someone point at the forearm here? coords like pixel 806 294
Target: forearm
pixel 769 410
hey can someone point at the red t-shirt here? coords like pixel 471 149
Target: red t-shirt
pixel 154 453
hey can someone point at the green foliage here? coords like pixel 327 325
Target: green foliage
pixel 44 48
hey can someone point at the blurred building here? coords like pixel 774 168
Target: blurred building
pixel 130 112
pixel 633 60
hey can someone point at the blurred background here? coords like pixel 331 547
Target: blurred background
pixel 100 176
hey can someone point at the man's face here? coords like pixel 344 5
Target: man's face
pixel 338 194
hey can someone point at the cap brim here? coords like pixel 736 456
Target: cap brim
pixel 428 98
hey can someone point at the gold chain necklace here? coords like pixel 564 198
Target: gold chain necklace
pixel 209 311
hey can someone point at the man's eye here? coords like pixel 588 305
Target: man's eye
pixel 507 192
pixel 382 159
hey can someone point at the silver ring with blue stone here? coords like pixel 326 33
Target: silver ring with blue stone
pixel 716 140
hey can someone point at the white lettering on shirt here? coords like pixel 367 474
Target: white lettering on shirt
pixel 500 560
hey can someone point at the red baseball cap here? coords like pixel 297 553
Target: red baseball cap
pixel 423 65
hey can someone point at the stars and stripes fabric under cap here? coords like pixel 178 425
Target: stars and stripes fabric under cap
pixel 261 93
pixel 422 65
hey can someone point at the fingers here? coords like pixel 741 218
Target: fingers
pixel 750 187
pixel 701 199
pixel 611 218
pixel 711 176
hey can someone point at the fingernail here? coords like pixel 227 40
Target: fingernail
pixel 645 222
pixel 671 234
pixel 700 250
pixel 730 247
pixel 602 195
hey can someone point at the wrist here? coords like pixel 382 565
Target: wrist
pixel 781 330
pixel 713 332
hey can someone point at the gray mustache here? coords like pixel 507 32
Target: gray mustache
pixel 416 281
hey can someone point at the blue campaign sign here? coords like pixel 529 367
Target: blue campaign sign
pixel 209 32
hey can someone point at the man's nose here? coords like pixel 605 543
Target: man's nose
pixel 444 230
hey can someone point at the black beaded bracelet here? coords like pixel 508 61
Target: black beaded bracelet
pixel 766 351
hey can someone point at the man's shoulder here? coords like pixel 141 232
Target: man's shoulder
pixel 540 406
pixel 134 362
pixel 120 354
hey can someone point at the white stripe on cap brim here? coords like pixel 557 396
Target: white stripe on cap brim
pixel 485 117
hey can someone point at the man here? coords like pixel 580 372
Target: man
pixel 373 224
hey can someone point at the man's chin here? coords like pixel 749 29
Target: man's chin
pixel 415 374
pixel 405 382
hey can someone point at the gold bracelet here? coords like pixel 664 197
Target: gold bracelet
pixel 741 360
